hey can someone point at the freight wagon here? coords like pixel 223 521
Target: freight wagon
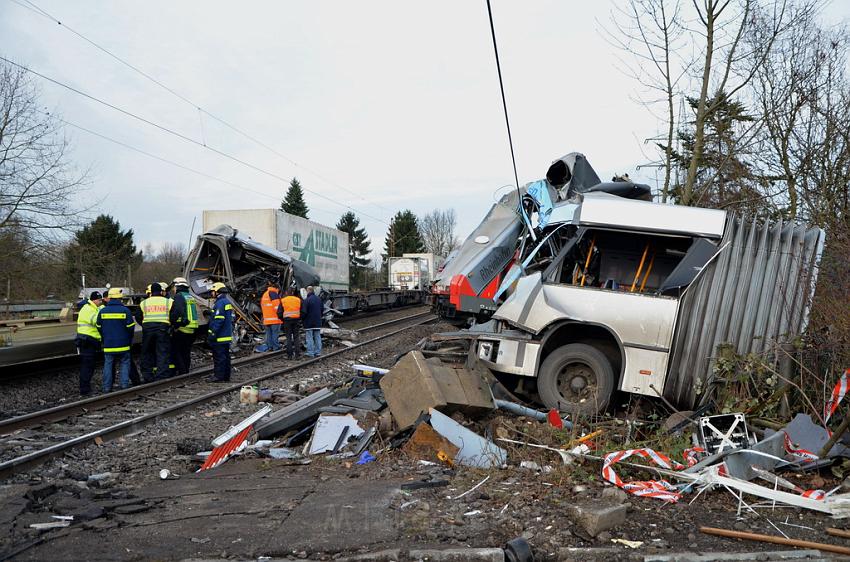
pixel 324 248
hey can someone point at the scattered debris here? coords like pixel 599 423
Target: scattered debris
pixel 415 385
pixel 427 444
pixel 224 451
pixel 331 431
pixel 474 450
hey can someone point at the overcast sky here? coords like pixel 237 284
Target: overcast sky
pixel 381 105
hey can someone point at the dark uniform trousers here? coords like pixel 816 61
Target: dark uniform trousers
pixel 181 351
pixel 292 329
pixel 221 360
pixel 88 348
pixel 156 350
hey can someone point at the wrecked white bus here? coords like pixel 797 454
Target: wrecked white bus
pixel 600 290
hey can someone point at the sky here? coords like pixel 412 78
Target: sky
pixel 375 106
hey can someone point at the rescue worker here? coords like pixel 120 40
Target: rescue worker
pixel 313 323
pixel 184 322
pixel 156 337
pixel 88 340
pixel 291 312
pixel 220 333
pixel 270 304
pixel 116 326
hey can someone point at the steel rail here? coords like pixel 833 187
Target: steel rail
pixel 12 466
pixel 86 405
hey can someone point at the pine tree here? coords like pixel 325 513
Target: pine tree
pixel 103 252
pixel 294 203
pixel 358 247
pixel 403 236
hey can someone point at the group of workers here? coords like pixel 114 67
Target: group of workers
pixel 291 312
pixel 169 321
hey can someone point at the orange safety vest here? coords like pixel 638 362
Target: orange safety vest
pixel 270 306
pixel 291 307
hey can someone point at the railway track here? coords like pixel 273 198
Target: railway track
pixel 20 372
pixel 61 428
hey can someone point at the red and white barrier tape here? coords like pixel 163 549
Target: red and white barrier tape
pixel 690 455
pixel 659 489
pixel 837 395
pixel 799 453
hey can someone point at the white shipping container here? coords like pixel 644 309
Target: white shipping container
pixel 323 247
pixel 408 273
pixel 431 263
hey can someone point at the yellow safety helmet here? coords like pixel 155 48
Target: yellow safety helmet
pixel 148 290
pixel 218 286
pixel 115 293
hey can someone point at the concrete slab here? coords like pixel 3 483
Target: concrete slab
pixel 344 515
pixel 247 508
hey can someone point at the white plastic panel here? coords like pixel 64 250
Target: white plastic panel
pixel 644 367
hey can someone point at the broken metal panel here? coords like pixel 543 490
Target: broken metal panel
pixel 634 318
pixel 755 294
pixel 605 210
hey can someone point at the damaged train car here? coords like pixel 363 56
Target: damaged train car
pixel 245 267
pixel 591 288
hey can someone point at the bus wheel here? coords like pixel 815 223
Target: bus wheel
pixel 577 379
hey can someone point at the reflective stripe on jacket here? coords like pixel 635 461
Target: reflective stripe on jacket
pixel 270 302
pixel 87 320
pixel 291 307
pixel 115 322
pixel 221 325
pixel 191 311
pixel 155 310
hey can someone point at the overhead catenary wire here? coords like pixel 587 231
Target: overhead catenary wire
pixel 160 158
pixel 29 5
pixel 504 100
pixel 182 136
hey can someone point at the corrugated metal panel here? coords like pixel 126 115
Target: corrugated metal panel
pixel 754 294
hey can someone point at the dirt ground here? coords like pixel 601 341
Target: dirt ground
pixel 252 507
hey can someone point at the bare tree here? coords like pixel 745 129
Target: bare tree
pixel 800 93
pixel 438 231
pixel 38 183
pixel 729 62
pixel 652 32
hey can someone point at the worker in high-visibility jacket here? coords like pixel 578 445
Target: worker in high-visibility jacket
pixel 291 312
pixel 116 326
pixel 184 323
pixel 220 333
pixel 156 334
pixel 270 304
pixel 88 340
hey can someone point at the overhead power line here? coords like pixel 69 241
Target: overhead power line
pixel 504 101
pixel 29 5
pixel 183 137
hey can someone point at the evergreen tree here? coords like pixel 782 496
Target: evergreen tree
pixel 358 247
pixel 294 203
pixel 103 253
pixel 403 236
pixel 724 178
